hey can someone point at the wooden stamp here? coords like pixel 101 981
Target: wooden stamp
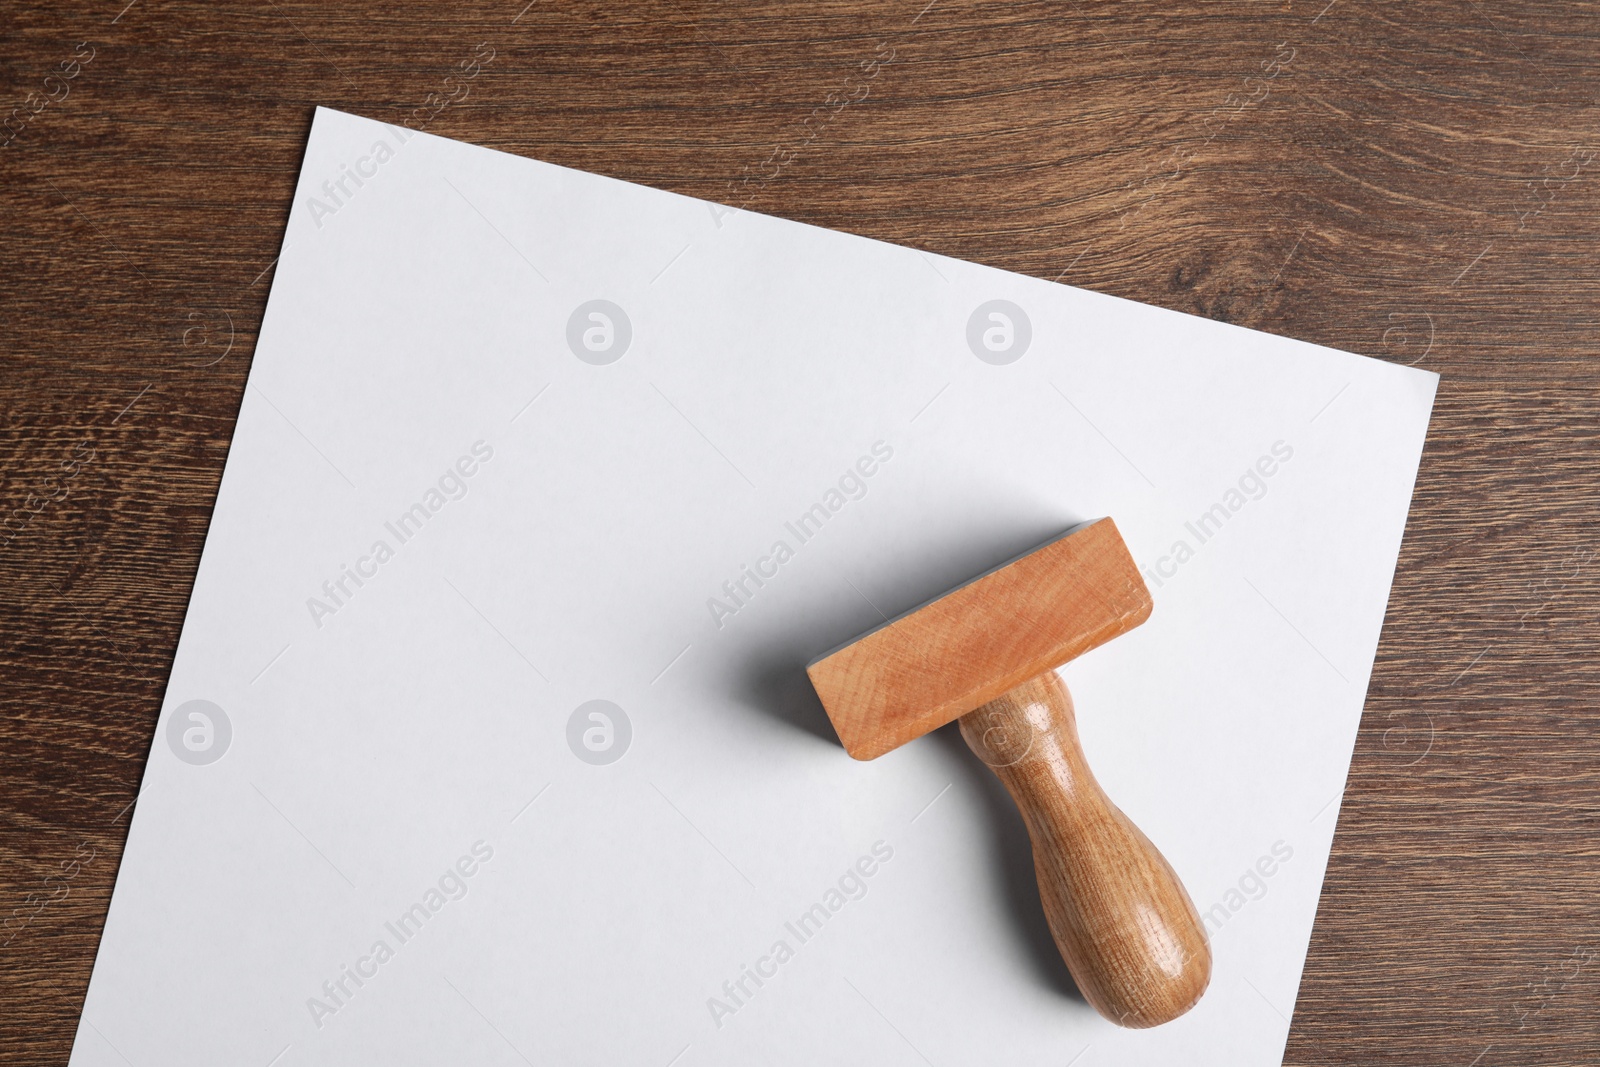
pixel 986 653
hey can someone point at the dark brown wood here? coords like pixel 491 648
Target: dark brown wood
pixel 1413 180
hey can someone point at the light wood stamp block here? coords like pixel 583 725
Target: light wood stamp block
pixel 986 654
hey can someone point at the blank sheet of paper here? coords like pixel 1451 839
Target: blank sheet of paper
pixel 488 738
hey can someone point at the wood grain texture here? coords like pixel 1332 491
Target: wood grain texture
pixel 937 662
pixel 1407 180
pixel 1119 913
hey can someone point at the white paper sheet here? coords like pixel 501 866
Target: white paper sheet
pixel 395 746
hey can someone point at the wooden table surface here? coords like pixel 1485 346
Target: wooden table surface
pixel 1416 181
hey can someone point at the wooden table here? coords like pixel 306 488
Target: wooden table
pixel 1416 181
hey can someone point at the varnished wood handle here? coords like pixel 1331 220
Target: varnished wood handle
pixel 1121 918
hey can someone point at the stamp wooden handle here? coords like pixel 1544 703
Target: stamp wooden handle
pixel 1121 918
